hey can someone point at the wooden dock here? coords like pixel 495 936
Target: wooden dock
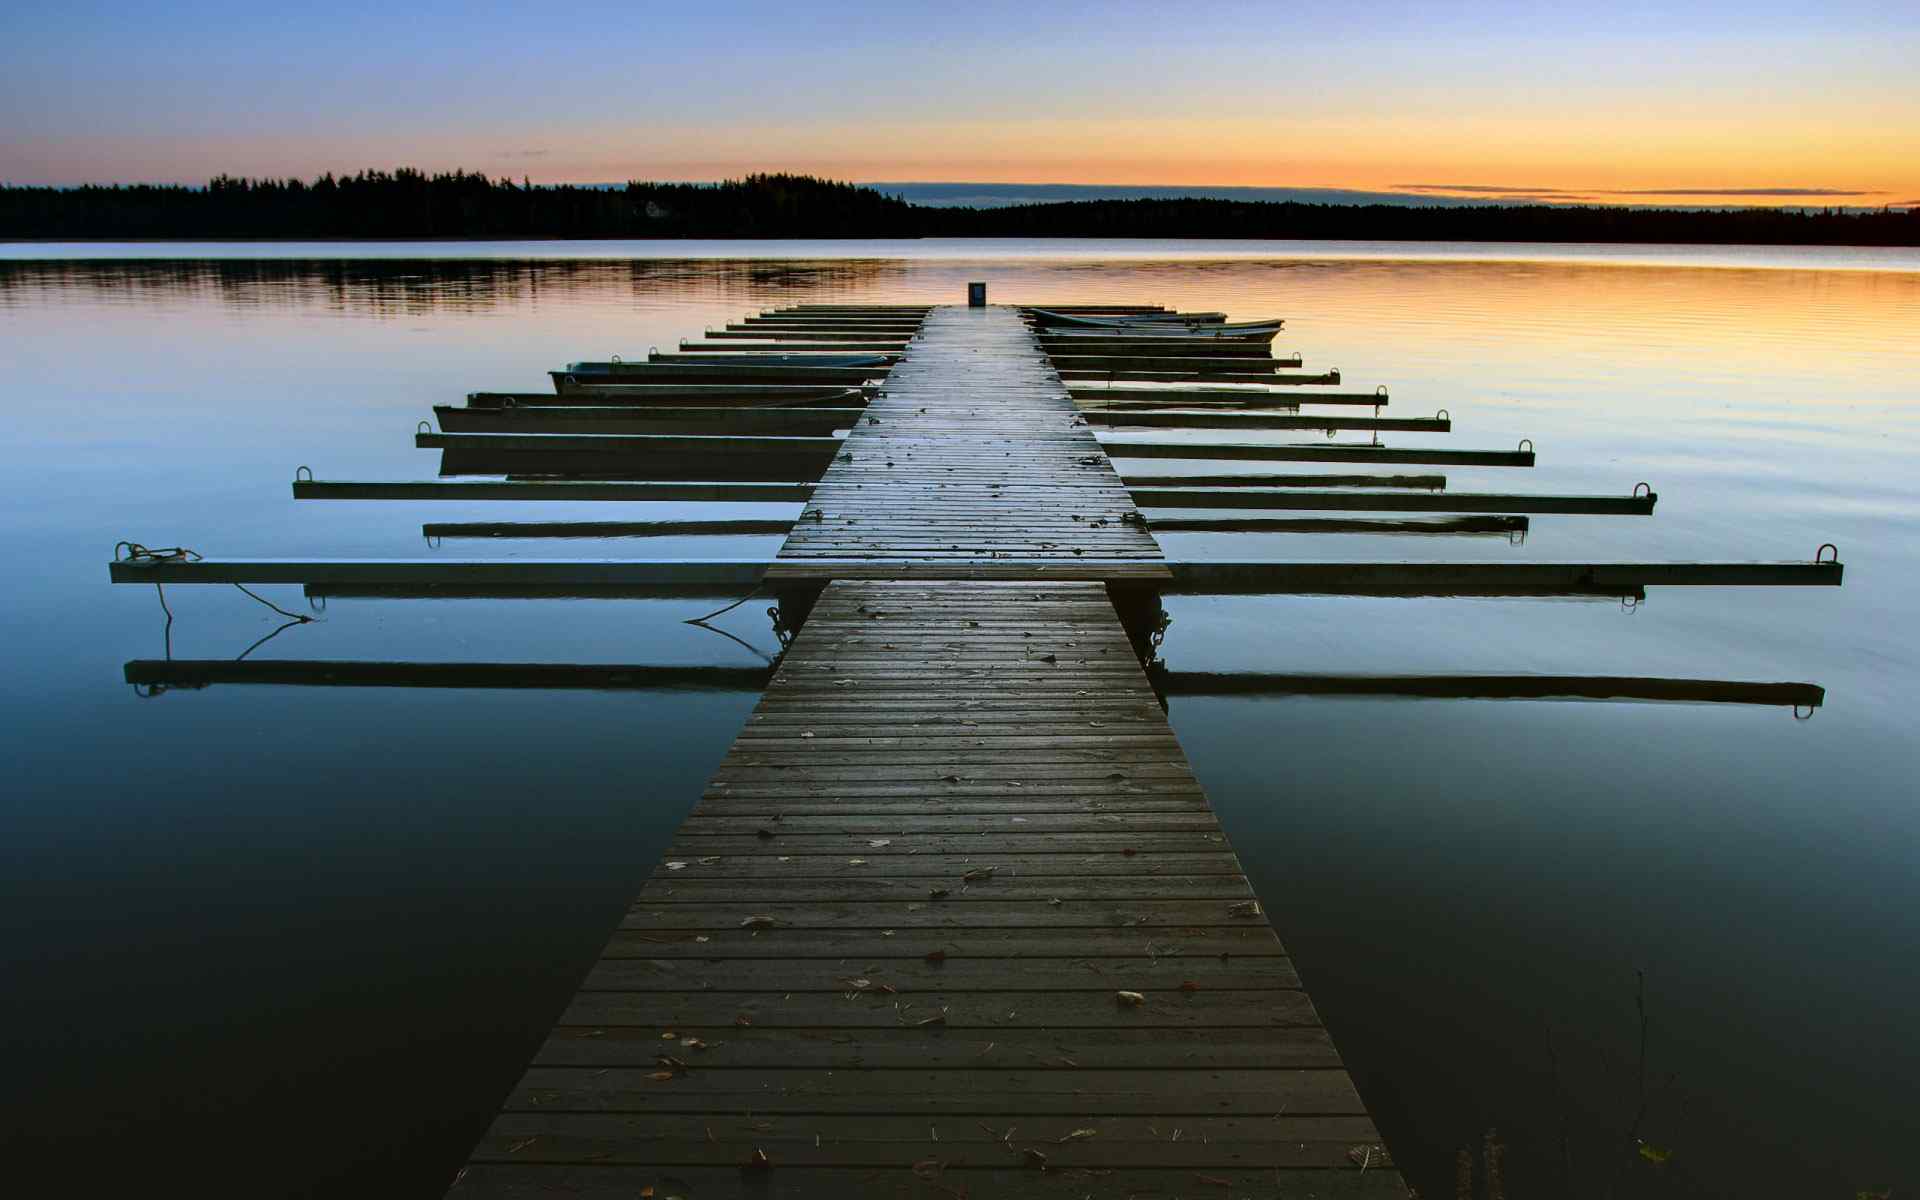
pixel 953 919
pixel 972 453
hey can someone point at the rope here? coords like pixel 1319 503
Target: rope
pixel 242 656
pixel 294 618
pixel 135 552
pixel 729 608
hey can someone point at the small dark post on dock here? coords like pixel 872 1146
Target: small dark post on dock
pixel 976 295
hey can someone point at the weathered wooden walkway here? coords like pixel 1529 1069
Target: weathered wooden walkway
pixel 973 453
pixel 953 918
pixel 892 947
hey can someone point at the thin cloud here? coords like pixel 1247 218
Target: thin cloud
pixel 525 153
pixel 1491 189
pixel 1779 191
pixel 1497 190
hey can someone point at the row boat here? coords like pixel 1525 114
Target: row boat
pixel 1194 324
pixel 1253 334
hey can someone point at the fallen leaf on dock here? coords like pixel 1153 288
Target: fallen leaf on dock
pixel 1131 999
pixel 1189 985
pixel 939 1018
pixel 661 1076
pixel 1214 1181
pixel 938 893
pixel 1079 1135
pixel 879 842
pixel 1244 908
pixel 1034 1158
pixel 742 1021
pixel 934 956
pixel 758 922
pixel 977 874
pixel 676 866
pixel 759 1161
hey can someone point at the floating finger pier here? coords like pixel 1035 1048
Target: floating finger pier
pixel 953 917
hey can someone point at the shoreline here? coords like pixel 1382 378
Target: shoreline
pixel 1692 255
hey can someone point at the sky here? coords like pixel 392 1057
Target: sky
pixel 1757 102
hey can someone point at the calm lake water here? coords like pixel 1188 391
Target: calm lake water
pixel 300 941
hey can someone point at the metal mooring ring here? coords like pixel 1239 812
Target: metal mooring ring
pixel 423 427
pixel 1443 415
pixel 1824 547
pixel 1642 484
pixel 298 478
pixel 1797 715
pixel 1525 446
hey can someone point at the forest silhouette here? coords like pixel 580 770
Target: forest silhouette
pixel 412 204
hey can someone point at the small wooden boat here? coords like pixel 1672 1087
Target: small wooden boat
pixel 1131 333
pixel 683 395
pixel 583 374
pixel 1047 316
pixel 1195 324
pixel 776 359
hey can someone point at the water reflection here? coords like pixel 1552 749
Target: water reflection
pixel 392 288
pixel 315 891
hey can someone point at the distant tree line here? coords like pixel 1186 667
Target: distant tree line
pixel 412 204
pixel 1463 223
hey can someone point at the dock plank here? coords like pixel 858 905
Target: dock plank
pixel 973 451
pixel 953 916
pixel 790 957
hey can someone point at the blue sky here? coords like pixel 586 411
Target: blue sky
pixel 1715 97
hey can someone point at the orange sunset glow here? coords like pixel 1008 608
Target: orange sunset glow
pixel 1761 104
